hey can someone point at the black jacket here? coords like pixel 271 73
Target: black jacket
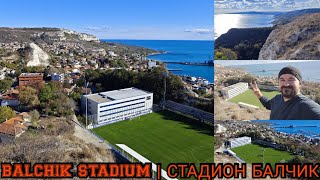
pixel 298 108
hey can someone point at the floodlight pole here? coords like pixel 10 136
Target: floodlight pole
pixel 85 85
pixel 165 87
pixel 263 149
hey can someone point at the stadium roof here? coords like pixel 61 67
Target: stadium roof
pixel 117 95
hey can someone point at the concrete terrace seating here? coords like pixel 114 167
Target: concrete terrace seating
pixel 234 90
pixel 236 142
pixel 190 111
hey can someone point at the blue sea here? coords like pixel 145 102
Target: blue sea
pixel 309 68
pixel 224 22
pixel 179 51
pixel 306 127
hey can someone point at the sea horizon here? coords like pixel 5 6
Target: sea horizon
pixel 223 22
pixel 271 68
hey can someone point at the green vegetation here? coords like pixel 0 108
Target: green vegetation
pixel 28 97
pixel 9 65
pixel 53 101
pixel 6 113
pixel 253 153
pixel 247 50
pixel 5 84
pixel 35 115
pixel 118 63
pixel 249 98
pixel 147 80
pixel 33 69
pixel 48 99
pixel 163 137
pixel 225 54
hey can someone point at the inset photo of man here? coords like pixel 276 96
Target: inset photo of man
pixel 290 104
pixel 261 90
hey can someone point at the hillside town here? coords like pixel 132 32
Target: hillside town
pixel 41 68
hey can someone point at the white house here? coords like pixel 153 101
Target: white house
pixel 191 79
pixel 57 77
pixel 113 106
pixel 111 53
pixel 152 64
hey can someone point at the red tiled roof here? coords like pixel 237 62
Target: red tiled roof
pixel 75 77
pixel 14 120
pixel 11 129
pixel 11 95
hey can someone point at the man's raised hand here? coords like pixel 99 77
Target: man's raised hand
pixel 256 89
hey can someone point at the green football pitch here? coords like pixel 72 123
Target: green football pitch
pixel 163 137
pixel 252 153
pixel 249 98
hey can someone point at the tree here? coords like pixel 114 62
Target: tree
pixel 48 91
pixel 5 84
pixel 225 54
pixel 6 113
pixel 28 97
pixel 54 102
pixel 35 115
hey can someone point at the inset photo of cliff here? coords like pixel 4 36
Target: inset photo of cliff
pixel 266 89
pixel 267 30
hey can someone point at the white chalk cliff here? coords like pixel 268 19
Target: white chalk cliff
pixel 38 56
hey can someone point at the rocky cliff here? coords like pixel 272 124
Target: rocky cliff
pixel 8 35
pixel 38 57
pixel 299 39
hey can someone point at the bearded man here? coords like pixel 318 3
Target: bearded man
pixel 290 104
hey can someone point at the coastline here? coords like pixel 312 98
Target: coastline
pixel 173 52
pixel 256 62
pixel 292 127
pixel 156 53
pixel 270 68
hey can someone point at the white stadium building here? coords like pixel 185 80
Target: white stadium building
pixel 234 90
pixel 113 106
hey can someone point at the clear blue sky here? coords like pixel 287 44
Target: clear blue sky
pixel 115 19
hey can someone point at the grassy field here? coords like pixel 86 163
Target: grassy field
pixel 252 153
pixel 164 137
pixel 249 98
